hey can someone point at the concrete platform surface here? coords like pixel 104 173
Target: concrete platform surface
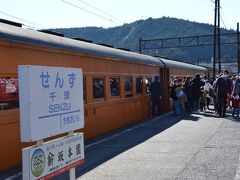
pixel 191 146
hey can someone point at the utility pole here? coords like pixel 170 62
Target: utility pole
pixel 219 44
pixel 140 45
pixel 217 38
pixel 214 44
pixel 238 49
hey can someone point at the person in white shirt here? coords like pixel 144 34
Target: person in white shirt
pixel 207 88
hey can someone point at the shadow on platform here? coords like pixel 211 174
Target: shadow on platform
pixel 117 142
pixel 210 113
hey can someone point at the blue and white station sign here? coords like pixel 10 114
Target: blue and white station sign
pixel 51 101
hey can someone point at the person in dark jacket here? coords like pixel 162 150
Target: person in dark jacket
pixel 187 91
pixel 222 90
pixel 214 95
pixel 196 85
pixel 156 95
pixel 236 87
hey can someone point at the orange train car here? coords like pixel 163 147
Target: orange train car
pixel 115 91
pixel 114 82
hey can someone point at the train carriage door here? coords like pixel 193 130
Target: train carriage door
pixel 162 81
pixel 164 77
pixel 166 89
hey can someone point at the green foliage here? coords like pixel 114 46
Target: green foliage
pixel 127 36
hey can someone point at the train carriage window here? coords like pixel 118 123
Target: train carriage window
pixel 139 85
pixel 9 93
pixel 98 88
pixel 115 86
pixel 128 86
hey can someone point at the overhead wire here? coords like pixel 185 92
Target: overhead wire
pixel 208 2
pixel 226 28
pixel 235 44
pixel 76 6
pixel 213 1
pixel 27 22
pixel 101 11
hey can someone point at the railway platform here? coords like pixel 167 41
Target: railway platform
pixel 190 146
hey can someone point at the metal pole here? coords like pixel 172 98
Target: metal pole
pixel 219 43
pixel 72 173
pixel 140 45
pixel 214 44
pixel 238 49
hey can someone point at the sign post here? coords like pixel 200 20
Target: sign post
pixel 72 173
pixel 51 103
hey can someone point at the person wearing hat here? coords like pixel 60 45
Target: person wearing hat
pixel 156 95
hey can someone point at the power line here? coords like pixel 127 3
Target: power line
pixel 223 22
pixel 100 10
pixel 76 6
pixel 226 28
pixel 23 20
pixel 208 2
pixel 237 44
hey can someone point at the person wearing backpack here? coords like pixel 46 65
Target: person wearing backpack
pixel 222 90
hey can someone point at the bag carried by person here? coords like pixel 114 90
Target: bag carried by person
pixel 180 94
pixel 211 93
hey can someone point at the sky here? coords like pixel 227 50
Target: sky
pixel 42 14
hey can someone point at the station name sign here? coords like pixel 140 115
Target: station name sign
pixel 51 101
pixel 53 158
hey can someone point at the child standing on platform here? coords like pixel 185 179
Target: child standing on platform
pixel 235 104
pixel 203 101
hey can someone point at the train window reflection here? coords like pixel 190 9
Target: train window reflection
pixel 148 82
pixel 98 88
pixel 9 91
pixel 128 86
pixel 139 83
pixel 115 86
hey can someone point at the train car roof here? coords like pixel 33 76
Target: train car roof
pixel 18 34
pixel 170 63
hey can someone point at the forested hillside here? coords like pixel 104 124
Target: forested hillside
pixel 127 36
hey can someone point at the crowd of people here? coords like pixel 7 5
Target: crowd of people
pixel 197 93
